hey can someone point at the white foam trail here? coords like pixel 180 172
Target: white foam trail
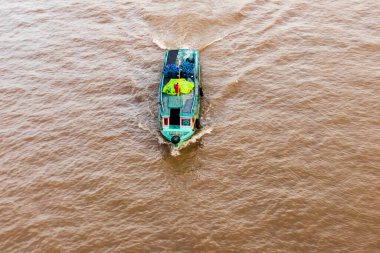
pixel 212 42
pixel 174 151
pixel 196 137
pixel 144 127
pixel 161 44
pixel 186 45
pixel 162 140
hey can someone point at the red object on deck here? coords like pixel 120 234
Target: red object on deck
pixel 176 88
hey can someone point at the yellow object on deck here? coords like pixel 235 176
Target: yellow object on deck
pixel 185 87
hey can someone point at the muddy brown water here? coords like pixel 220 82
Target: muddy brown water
pixel 288 159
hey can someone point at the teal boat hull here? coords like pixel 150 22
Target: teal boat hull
pixel 179 113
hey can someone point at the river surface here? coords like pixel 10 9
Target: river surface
pixel 288 159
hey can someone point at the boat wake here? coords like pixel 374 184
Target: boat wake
pixel 160 43
pixel 186 44
pixel 198 26
pixel 175 151
pixel 201 47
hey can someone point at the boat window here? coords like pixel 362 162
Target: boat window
pixel 186 122
pixel 165 121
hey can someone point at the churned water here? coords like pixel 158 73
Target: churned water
pixel 288 160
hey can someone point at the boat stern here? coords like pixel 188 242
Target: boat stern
pixel 177 135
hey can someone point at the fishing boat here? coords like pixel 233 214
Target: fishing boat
pixel 179 95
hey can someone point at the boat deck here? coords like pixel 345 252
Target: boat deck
pixel 183 101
